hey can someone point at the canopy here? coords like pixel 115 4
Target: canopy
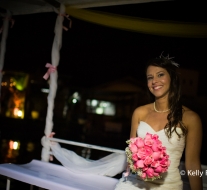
pixel 20 7
pixel 75 9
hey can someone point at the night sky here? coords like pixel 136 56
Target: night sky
pixel 93 54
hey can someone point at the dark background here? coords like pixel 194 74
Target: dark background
pixel 92 54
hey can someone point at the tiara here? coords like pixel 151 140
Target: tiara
pixel 169 58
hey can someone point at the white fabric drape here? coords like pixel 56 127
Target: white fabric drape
pixel 110 165
pixel 57 43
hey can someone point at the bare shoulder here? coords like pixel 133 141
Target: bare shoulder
pixel 190 118
pixel 141 111
pixel 138 114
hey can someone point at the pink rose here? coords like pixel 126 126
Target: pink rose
pixel 148 136
pixel 158 169
pixel 141 153
pixel 139 142
pixel 163 148
pixel 148 140
pixel 167 156
pixel 144 175
pixel 164 169
pixel 150 172
pixel 155 164
pixel 155 147
pixel 163 153
pixel 164 162
pixel 133 140
pixel 156 155
pixel 148 160
pixel 145 169
pixel 134 157
pixel 148 150
pixel 156 174
pixel 155 137
pixel 133 148
pixel 139 164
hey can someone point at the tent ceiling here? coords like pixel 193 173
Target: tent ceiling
pixel 20 7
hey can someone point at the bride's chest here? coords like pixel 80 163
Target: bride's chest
pixel 156 120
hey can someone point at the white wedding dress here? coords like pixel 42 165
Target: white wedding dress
pixel 171 180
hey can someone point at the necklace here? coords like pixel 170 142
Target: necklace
pixel 160 111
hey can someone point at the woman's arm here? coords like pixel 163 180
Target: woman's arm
pixel 193 148
pixel 135 122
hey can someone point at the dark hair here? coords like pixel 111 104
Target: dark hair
pixel 174 99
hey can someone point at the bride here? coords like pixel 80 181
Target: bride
pixel 177 126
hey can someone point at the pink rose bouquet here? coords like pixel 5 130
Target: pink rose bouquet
pixel 147 157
